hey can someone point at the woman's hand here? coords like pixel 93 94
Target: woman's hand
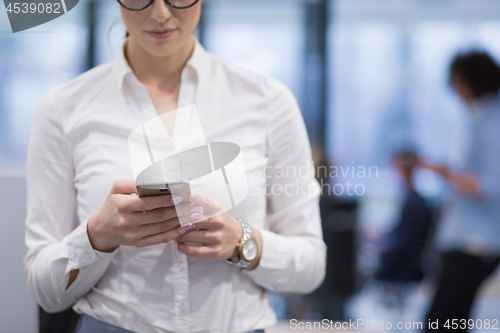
pixel 218 231
pixel 126 219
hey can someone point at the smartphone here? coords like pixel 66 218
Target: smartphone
pixel 153 188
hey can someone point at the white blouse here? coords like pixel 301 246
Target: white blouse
pixel 78 147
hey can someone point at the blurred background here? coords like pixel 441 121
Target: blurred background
pixel 371 77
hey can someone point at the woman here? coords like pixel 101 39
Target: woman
pixel 125 262
pixel 469 230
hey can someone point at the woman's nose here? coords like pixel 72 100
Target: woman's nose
pixel 161 11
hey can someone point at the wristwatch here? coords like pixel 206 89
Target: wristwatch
pixel 246 248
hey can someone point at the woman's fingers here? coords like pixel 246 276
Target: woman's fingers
pixel 198 218
pixel 153 228
pixel 207 206
pixel 163 237
pixel 154 216
pixel 161 214
pixel 123 186
pixel 200 199
pixel 196 209
pixel 199 236
pixel 153 202
pixel 210 206
pixel 211 251
pixel 183 209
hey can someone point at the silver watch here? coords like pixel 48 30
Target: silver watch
pixel 247 247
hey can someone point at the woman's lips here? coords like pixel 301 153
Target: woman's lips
pixel 161 34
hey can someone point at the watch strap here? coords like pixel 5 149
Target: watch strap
pixel 247 233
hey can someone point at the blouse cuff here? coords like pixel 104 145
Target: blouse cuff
pixel 273 260
pixel 81 254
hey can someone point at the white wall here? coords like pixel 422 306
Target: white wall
pixel 18 310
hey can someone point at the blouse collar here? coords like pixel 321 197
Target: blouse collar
pixel 122 68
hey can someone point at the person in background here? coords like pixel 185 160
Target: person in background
pixel 401 260
pixel 468 233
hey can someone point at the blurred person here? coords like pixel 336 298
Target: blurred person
pixel 469 230
pixel 125 262
pixel 401 259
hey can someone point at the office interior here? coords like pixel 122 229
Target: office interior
pixel 371 78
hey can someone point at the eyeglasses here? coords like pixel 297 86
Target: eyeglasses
pixel 143 4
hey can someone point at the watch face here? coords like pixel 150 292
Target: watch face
pixel 249 250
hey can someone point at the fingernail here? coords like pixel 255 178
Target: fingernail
pixel 194 196
pixel 190 227
pixel 176 200
pixel 176 242
pixel 196 209
pixel 195 216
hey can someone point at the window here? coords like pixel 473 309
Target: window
pixel 267 36
pixel 388 88
pixel 32 62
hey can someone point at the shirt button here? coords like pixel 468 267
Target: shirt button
pixel 182 308
pixel 180 267
pixel 88 256
pixel 86 269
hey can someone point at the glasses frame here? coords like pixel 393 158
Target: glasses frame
pixel 151 1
